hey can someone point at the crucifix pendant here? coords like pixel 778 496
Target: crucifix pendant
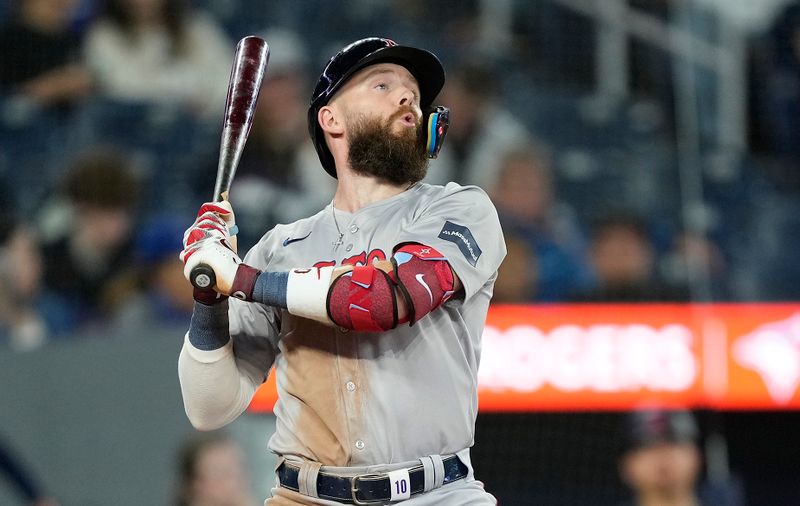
pixel 338 241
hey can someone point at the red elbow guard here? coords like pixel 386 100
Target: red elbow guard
pixel 363 299
pixel 425 278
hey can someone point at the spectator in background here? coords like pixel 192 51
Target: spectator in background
pixel 518 275
pixel 88 262
pixel 696 257
pixel 40 65
pixel 159 51
pixel 481 129
pixel 278 179
pixel 623 259
pixel 525 197
pixel 661 460
pixel 22 326
pixel 162 298
pixel 212 473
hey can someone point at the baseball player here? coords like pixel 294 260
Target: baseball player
pixel 370 311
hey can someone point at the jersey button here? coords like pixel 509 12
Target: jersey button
pixel 349 247
pixel 353 228
pixel 351 386
pixel 360 444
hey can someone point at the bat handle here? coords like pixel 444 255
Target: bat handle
pixel 203 277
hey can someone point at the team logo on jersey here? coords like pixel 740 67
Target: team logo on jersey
pixel 461 237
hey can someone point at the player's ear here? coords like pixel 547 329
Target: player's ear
pixel 328 118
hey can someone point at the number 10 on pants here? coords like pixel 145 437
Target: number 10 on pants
pixel 400 484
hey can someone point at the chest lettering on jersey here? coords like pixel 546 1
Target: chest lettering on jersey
pixel 362 258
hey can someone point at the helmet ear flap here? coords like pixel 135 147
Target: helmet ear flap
pixel 437 125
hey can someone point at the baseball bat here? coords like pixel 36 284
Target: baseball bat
pixel 247 73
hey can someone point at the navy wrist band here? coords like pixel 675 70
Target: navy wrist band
pixel 271 288
pixel 209 327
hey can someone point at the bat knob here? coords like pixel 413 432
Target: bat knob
pixel 203 277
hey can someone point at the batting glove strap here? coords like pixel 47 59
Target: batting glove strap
pixel 208 297
pixel 244 282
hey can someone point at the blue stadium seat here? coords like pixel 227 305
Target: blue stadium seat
pixel 32 140
pixel 169 144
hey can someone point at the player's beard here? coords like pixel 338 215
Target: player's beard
pixel 375 150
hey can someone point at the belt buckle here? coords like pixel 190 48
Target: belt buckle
pixel 354 489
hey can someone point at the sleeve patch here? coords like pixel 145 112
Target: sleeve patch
pixel 462 238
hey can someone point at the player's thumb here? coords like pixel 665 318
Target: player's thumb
pixel 228 215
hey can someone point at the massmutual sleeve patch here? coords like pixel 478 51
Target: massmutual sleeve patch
pixel 462 238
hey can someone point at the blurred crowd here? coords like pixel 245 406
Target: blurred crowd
pixel 109 133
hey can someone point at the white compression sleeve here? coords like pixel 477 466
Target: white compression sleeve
pixel 215 391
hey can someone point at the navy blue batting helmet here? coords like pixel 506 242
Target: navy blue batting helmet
pixel 423 65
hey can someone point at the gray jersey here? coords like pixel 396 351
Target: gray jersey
pixel 353 399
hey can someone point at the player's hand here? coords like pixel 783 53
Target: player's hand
pixel 212 248
pixel 209 240
pixel 213 216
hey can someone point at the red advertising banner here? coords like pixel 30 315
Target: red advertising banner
pixel 621 356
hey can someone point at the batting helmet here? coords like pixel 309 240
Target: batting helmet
pixel 423 65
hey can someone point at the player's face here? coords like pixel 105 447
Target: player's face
pixel 387 91
pixel 382 116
